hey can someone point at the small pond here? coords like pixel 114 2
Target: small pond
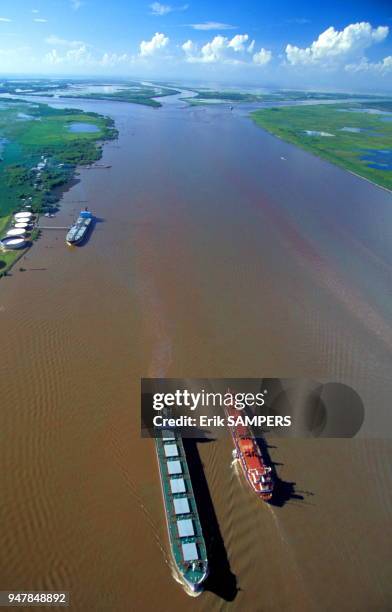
pixel 83 127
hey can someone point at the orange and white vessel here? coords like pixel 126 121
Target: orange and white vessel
pixel 247 451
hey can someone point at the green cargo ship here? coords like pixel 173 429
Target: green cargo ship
pixel 183 524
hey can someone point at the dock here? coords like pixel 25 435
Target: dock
pixel 51 227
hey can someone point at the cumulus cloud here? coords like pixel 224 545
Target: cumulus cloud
pixel 333 45
pixel 212 25
pixel 114 59
pixel 163 9
pixel 382 67
pixel 225 50
pixel 238 42
pixel 150 47
pixel 79 55
pixel 262 57
pixel 214 50
pixel 189 48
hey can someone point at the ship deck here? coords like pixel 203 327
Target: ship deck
pixel 249 453
pixel 186 536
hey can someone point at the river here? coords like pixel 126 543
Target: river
pixel 219 251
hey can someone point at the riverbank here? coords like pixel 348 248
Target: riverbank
pixel 144 95
pixel 355 137
pixel 275 258
pixel 41 147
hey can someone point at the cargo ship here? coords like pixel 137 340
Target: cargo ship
pixel 246 449
pixel 186 538
pixel 79 230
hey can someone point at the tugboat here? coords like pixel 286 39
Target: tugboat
pixel 79 230
pixel 186 538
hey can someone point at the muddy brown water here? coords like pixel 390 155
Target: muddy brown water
pixel 212 257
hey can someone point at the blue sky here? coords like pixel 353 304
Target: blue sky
pixel 328 45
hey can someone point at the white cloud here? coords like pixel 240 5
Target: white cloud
pixel 381 67
pixel 226 51
pixel 5 19
pixel 40 20
pixel 212 25
pixel 80 56
pixel 334 45
pixel 262 57
pixel 251 46
pixel 214 50
pixel 62 42
pixel 238 42
pixel 35 11
pixel 150 47
pixel 114 59
pixel 189 48
pixel 160 9
pixel 163 9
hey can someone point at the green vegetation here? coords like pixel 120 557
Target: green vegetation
pixel 38 153
pixel 204 96
pixel 8 259
pixel 290 95
pixel 87 89
pixel 31 87
pixel 369 135
pixel 135 94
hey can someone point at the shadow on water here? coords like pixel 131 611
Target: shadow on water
pixel 221 580
pixel 284 491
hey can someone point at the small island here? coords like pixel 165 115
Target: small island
pixel 119 90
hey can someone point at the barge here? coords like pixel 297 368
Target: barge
pixel 79 230
pixel 186 538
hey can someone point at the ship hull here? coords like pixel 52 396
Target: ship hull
pixel 81 237
pixel 80 230
pixel 252 466
pixel 192 577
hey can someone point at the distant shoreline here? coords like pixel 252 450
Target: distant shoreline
pixel 289 124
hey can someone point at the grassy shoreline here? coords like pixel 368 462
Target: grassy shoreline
pixel 344 135
pixel 146 96
pixel 40 152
